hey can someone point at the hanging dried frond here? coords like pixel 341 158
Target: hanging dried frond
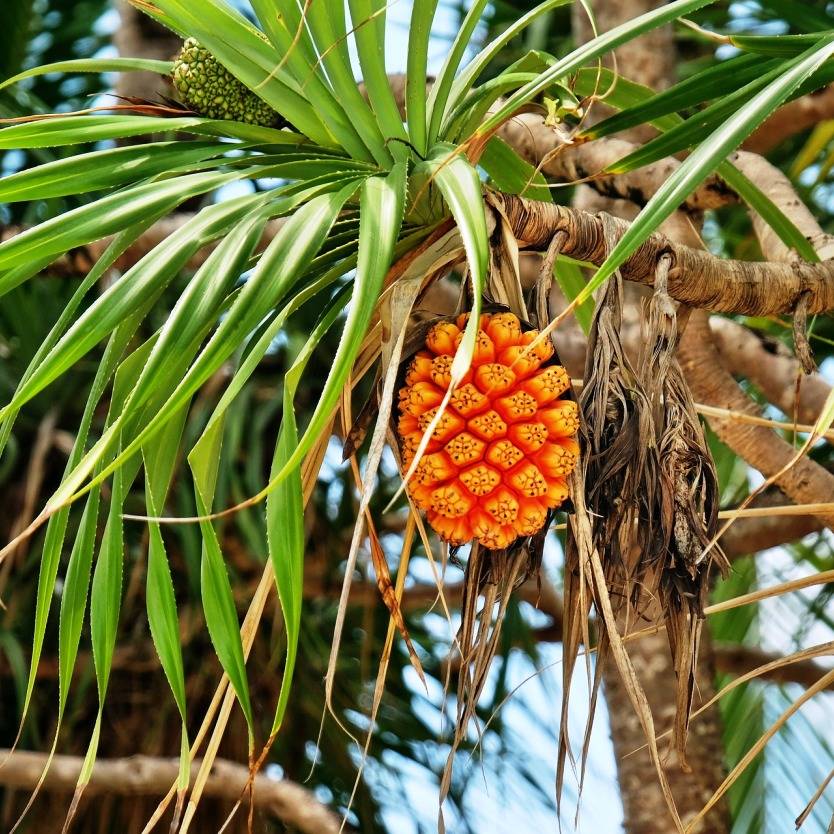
pixel 613 458
pixel 651 495
pixel 683 516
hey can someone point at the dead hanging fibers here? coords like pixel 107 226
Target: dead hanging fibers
pixel 651 496
pixel 497 460
pixel 683 513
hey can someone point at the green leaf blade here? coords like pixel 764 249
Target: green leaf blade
pixel 590 51
pixel 706 159
pixel 97 65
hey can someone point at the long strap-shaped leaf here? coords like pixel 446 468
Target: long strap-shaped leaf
pixel 97 170
pixel 628 95
pixel 293 42
pixel 74 596
pixel 705 159
pixel 460 186
pixel 77 580
pixel 463 83
pixel 218 602
pixel 116 247
pixel 146 278
pixel 159 456
pixel 588 52
pixel 382 204
pixel 327 25
pixel 439 96
pixel 779 46
pixel 104 217
pixel 105 604
pixel 714 81
pixel 76 130
pixel 368 17
pixel 283 261
pixel 419 32
pixel 285 512
pixel 285 537
pixel 689 132
pixel 97 65
pixel 57 526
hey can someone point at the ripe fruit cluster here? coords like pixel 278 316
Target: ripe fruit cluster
pixel 209 89
pixel 499 456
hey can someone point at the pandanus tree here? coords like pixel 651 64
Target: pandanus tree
pixel 366 199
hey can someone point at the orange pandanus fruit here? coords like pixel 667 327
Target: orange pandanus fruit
pixel 499 456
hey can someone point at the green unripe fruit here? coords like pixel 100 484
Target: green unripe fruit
pixel 208 88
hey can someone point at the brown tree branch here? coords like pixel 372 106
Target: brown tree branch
pixel 736 659
pixel 772 368
pixel 762 448
pixel 730 658
pixel 543 147
pixel 697 278
pixel 781 191
pixel 747 536
pixel 293 804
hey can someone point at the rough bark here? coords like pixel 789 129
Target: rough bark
pixel 711 383
pixel 139 36
pixel 293 804
pixel 643 804
pixel 696 278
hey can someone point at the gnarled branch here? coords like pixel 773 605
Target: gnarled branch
pixel 805 481
pixel 696 278
pixel 295 805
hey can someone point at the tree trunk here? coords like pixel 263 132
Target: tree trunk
pixel 651 60
pixel 644 808
pixel 139 36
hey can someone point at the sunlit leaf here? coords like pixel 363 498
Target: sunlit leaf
pixel 92 65
pixel 704 160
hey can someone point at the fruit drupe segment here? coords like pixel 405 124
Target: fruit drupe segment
pixel 498 458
